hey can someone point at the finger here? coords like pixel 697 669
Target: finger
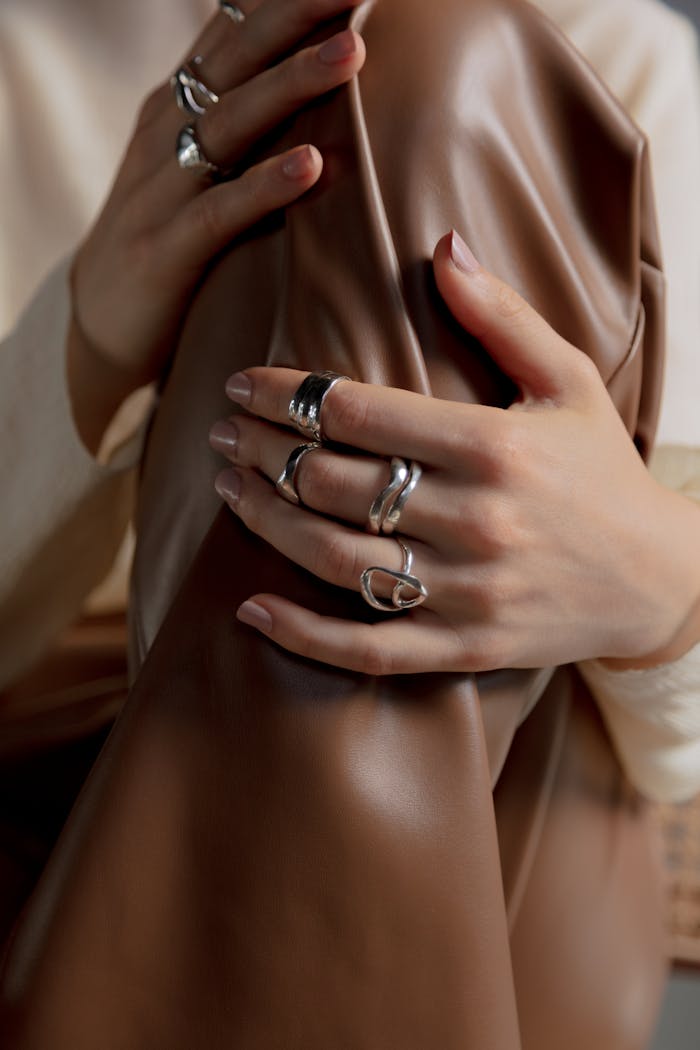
pixel 520 341
pixel 209 222
pixel 272 29
pixel 413 642
pixel 331 551
pixel 329 482
pixel 383 420
pixel 231 127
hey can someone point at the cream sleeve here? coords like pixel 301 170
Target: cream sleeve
pixel 653 715
pixel 64 513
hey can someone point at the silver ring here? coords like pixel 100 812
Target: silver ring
pixel 391 519
pixel 286 482
pixel 191 94
pixel 232 10
pixel 403 579
pixel 388 496
pixel 305 406
pixel 190 154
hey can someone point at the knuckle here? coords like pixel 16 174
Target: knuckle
pixel 376 660
pixel 345 414
pixel 584 370
pixel 321 483
pixel 487 651
pixel 208 215
pixel 336 561
pixel 508 304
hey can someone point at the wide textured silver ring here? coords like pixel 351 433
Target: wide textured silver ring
pixel 404 580
pixel 286 482
pixel 233 11
pixel 307 402
pixel 192 94
pixel 190 155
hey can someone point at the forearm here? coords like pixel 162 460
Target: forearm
pixel 63 513
pixel 679 529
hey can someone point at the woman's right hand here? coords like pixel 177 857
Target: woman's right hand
pixel 134 275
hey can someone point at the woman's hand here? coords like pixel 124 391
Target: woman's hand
pixel 539 533
pixel 134 275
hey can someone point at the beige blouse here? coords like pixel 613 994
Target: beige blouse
pixel 71 78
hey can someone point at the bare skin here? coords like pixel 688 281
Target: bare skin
pixel 134 274
pixel 538 531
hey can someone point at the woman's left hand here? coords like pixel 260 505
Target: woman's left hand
pixel 540 535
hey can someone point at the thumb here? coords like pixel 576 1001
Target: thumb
pixel 518 339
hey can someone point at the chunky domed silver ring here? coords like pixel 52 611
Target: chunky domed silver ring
pixel 191 94
pixel 233 11
pixel 190 154
pixel 307 402
pixel 286 482
pixel 404 581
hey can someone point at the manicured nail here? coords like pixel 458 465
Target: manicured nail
pixel 462 256
pixel 228 485
pixel 339 47
pixel 223 437
pixel 254 614
pixel 239 388
pixel 299 163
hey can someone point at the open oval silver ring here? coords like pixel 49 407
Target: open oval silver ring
pixel 403 580
pixel 286 482
pixel 307 402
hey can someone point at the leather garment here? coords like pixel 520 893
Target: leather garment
pixel 274 853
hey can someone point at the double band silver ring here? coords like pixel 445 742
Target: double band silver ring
pixel 404 580
pixel 233 11
pixel 286 482
pixel 307 402
pixel 385 512
pixel 192 94
pixel 190 154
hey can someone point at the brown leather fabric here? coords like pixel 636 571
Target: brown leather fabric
pixel 273 853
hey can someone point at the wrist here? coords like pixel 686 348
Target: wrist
pixel 675 598
pixel 96 387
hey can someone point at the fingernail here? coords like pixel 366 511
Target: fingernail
pixel 254 614
pixel 462 256
pixel 228 485
pixel 340 46
pixel 299 163
pixel 239 388
pixel 223 437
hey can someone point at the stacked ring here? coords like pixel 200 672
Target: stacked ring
pixel 191 94
pixel 233 11
pixel 386 509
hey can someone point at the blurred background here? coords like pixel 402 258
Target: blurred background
pixel 679 1028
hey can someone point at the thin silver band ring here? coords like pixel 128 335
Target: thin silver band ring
pixel 286 482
